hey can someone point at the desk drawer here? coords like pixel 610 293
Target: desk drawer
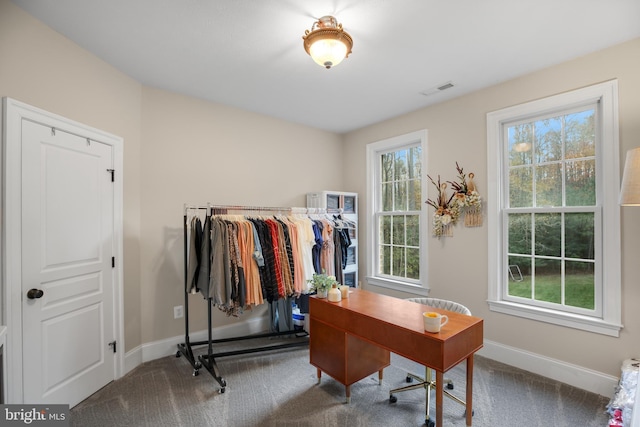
pixel 344 357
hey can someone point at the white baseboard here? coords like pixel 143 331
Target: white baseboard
pixel 132 359
pixel 574 375
pixel 157 349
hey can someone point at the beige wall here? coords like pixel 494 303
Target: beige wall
pixel 41 68
pixel 179 149
pixel 458 265
pixel 197 152
pixel 176 150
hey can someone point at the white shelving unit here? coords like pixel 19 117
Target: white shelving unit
pixel 348 203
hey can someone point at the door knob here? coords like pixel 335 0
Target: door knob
pixel 35 293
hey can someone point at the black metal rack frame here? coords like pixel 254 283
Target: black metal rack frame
pixel 208 360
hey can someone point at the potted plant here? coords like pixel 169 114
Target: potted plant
pixel 321 283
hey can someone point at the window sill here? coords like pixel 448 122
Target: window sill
pixel 397 285
pixel 570 320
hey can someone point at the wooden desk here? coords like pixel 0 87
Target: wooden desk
pixel 351 339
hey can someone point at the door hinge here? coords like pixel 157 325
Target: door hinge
pixel 112 172
pixel 113 344
pixel 113 262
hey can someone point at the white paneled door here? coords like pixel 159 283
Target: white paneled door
pixel 67 272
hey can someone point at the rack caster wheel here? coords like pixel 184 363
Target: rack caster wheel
pixel 409 379
pixel 392 399
pixel 450 386
pixel 178 353
pixel 222 390
pixel 196 372
pixel 429 423
pixel 198 365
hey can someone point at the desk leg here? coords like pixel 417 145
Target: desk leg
pixel 380 377
pixel 439 397
pixel 348 391
pixel 319 375
pixel 469 389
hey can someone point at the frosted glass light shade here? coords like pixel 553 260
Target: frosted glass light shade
pixel 630 192
pixel 328 52
pixel 327 43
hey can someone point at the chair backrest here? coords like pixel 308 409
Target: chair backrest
pixel 443 304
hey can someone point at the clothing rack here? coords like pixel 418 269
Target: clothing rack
pixel 208 360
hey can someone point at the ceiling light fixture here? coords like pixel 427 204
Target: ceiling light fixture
pixel 327 43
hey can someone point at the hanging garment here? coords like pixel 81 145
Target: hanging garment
pixel 246 242
pixel 273 230
pixel 345 243
pixel 306 241
pixel 238 284
pixel 286 255
pixel 296 257
pixel 218 286
pixel 327 251
pixel 257 254
pixel 268 277
pixel 337 255
pixel 193 268
pixel 317 247
pixel 281 315
pixel 251 260
pixel 205 259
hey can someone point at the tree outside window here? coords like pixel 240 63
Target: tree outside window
pixel 553 214
pixel 551 209
pixel 401 190
pixel 396 213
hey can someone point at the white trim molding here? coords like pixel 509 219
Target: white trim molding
pixel 608 321
pixel 573 375
pixel 13 115
pixel 373 153
pixel 166 347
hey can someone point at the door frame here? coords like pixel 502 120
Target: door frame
pixel 11 250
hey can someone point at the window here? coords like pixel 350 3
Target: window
pixel 396 213
pixel 554 226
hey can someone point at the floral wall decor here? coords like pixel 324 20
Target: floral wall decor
pixel 466 195
pixel 465 200
pixel 446 214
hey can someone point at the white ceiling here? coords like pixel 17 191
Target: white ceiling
pixel 249 54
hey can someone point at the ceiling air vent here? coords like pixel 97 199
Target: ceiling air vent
pixel 439 88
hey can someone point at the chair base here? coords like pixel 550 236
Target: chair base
pixel 428 384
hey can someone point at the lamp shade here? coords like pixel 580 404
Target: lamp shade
pixel 630 192
pixel 328 52
pixel 327 43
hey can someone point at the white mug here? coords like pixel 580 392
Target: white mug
pixel 434 321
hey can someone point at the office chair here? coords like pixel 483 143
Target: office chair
pixel 428 383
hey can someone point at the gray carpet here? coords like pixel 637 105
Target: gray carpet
pixel 278 388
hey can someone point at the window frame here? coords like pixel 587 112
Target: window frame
pixel 605 95
pixel 374 152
